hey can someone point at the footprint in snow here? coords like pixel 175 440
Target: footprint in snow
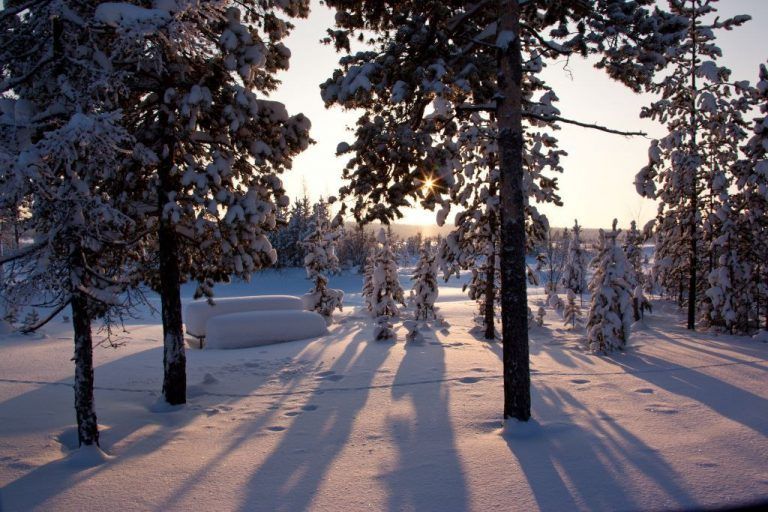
pixel 308 407
pixel 276 428
pixel 579 381
pixel 330 375
pixel 292 413
pixel 645 391
pixel 469 380
pixel 661 409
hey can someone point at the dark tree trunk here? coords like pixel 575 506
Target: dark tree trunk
pixel 87 426
pixel 490 296
pixel 514 299
pixel 693 260
pixel 174 358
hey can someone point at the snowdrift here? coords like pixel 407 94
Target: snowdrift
pixel 198 313
pixel 255 328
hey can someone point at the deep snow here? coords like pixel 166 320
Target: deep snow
pixel 340 422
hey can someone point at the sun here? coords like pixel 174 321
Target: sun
pixel 428 185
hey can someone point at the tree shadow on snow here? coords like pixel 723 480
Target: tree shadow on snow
pixel 570 466
pixel 138 422
pixel 291 475
pixel 428 474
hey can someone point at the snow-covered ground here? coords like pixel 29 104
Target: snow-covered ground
pixel 344 423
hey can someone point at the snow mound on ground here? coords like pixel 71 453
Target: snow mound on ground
pixel 761 336
pixel 198 313
pixel 87 457
pixel 255 328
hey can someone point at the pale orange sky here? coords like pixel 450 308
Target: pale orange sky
pixel 597 184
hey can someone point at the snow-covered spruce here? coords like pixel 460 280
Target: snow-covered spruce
pixel 321 261
pixel 425 290
pixel 633 240
pixel 572 311
pixel 703 111
pixel 751 180
pixel 386 291
pixel 574 276
pixel 610 310
pixel 196 77
pixel 367 291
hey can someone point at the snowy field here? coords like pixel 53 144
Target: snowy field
pixel 341 423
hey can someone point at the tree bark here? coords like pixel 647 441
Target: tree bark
pixel 87 426
pixel 174 358
pixel 692 284
pixel 514 299
pixel 490 295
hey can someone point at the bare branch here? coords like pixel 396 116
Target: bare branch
pixel 41 323
pixel 549 119
pixel 12 11
pixel 21 253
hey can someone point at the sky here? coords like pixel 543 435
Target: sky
pixel 597 182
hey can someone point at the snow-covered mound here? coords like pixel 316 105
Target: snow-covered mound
pixel 255 328
pixel 199 312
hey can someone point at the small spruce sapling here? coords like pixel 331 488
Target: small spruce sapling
pixel 572 312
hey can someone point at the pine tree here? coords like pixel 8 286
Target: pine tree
pixel 697 106
pixel 321 261
pixel 424 292
pixel 751 182
pixel 64 159
pixel 387 292
pixel 194 72
pixel 433 64
pixel 610 311
pixel 574 276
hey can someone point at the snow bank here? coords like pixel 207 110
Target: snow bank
pixel 255 328
pixel 198 313
pixel 761 336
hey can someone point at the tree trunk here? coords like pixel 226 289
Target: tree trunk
pixel 693 259
pixel 514 299
pixel 174 358
pixel 490 296
pixel 87 426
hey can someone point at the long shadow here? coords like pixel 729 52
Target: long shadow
pixel 570 466
pixel 729 401
pixel 124 402
pixel 290 477
pixel 428 475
